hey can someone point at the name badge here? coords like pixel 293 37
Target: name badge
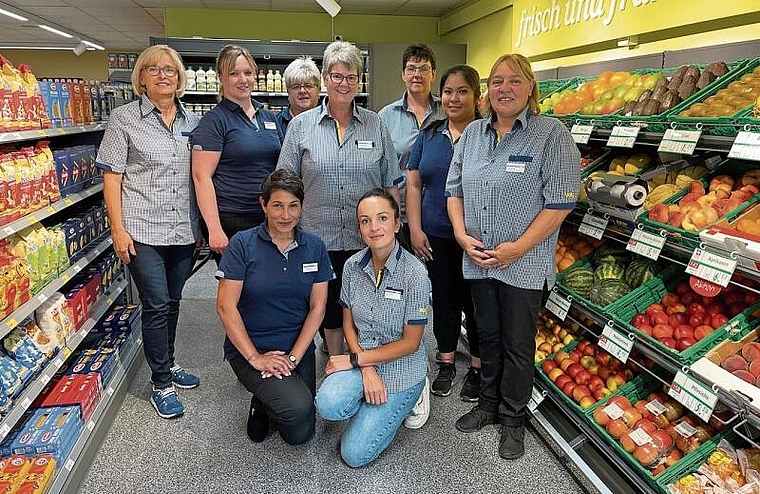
pixel 270 125
pixel 310 267
pixel 513 167
pixel 365 144
pixel 393 294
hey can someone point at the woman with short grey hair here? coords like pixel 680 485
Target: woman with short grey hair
pixel 302 80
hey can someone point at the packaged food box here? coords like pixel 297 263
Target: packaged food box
pixel 63 170
pixel 77 303
pixel 64 102
pixel 83 390
pixel 128 317
pixel 70 230
pixel 103 361
pixel 49 430
pixel 39 474
pixel 13 472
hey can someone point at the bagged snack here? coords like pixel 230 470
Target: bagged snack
pixel 22 349
pixel 11 196
pixel 62 256
pixel 8 283
pixel 25 179
pixel 11 375
pixel 37 173
pixel 722 467
pixel 20 277
pixel 52 319
pixel 45 157
pixel 42 341
pixel 22 245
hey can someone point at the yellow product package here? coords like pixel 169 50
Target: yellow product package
pixel 25 181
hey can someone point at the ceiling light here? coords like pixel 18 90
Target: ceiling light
pixel 55 31
pixel 92 45
pixel 62 48
pixel 629 41
pixel 330 6
pixel 15 16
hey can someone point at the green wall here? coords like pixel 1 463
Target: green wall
pixel 304 26
pixel 486 38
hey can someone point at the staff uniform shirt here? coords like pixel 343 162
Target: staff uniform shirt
pixel 506 184
pixel 431 156
pixel 380 310
pixel 250 148
pixel 283 118
pixel 337 173
pixel 157 197
pixel 277 286
pixel 403 125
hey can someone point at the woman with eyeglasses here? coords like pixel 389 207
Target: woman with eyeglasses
pixel 151 207
pixel 513 179
pixel 341 151
pixel 302 82
pixel 235 147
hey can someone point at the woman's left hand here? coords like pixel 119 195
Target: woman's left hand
pixel 502 256
pixel 338 363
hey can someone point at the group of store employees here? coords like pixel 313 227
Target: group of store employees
pixel 302 210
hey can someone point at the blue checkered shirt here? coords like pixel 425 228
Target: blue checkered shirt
pixel 336 175
pixel 505 185
pixel 157 196
pixel 381 312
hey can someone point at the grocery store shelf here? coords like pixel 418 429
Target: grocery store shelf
pixel 54 208
pixel 35 387
pixel 70 475
pixel 706 142
pixel 26 135
pixel 27 309
pixel 260 94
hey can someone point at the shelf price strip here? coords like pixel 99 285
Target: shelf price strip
pixel 593 226
pixel 536 398
pixel 645 244
pixel 679 141
pixel 558 305
pixel 711 267
pixel 581 133
pixel 695 396
pixel 616 343
pixel 746 146
pixel 623 137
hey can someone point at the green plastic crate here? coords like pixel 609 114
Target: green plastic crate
pixel 747 122
pixel 595 165
pixel 549 86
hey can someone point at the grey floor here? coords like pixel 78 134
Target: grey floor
pixel 207 450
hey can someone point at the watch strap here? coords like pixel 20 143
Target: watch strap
pixel 354 358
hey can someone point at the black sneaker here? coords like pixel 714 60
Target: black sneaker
pixel 512 443
pixel 444 380
pixel 258 422
pixel 475 419
pixel 471 385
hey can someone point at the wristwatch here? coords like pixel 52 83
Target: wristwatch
pixel 354 359
pixel 293 359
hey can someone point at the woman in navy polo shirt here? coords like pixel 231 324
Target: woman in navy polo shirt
pixel 235 147
pixel 431 232
pixel 271 300
pixel 384 296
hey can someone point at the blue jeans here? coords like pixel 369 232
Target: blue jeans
pixel 160 272
pixel 372 427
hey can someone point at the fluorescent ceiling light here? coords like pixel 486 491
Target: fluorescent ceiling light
pixel 11 14
pixel 330 6
pixel 55 31
pixel 92 45
pixel 62 48
pixel 622 42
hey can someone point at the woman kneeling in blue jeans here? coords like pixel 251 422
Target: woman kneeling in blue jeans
pixel 385 298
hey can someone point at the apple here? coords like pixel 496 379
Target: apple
pixel 631 416
pixel 662 331
pixel 658 318
pixel 646 454
pixel 626 442
pixel 620 401
pixel 646 425
pixel 590 350
pixel 604 373
pixel 593 368
pixel 695 308
pixel 568 388
pixel 654 308
pixel 683 331
pixel 582 377
pixel 566 363
pixel 575 355
pixel 669 342
pixel 562 380
pixel 669 299
pixel 701 332
pixel 603 358
pixel 677 318
pixel 688 298
pixel 646 329
pixel 616 428
pixel 548 365
pixel 601 417
pixel 600 393
pixel 684 343
pixel 587 401
pixel 718 320
pixel 595 382
pixel 582 344
pixel 614 382
pixel 573 369
pixel 697 319
pixel 716 308
pixel 580 391
pixel 672 458
pixel 554 374
pixel 662 440
pixel 682 287
pixel 675 309
pixel 560 356
pixel 587 361
pixel 639 319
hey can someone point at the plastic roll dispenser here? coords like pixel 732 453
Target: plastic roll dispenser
pixel 616 190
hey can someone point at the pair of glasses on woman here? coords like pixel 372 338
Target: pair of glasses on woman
pixel 299 87
pixel 337 78
pixel 167 70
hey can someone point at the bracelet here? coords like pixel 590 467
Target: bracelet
pixel 354 359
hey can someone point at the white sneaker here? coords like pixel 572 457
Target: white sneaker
pixel 421 411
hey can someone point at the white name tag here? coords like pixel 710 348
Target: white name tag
pixel 365 144
pixel 514 167
pixel 393 294
pixel 310 267
pixel 270 125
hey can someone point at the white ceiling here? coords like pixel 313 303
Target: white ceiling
pixel 127 24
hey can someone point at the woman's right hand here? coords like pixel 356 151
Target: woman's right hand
pixel 421 245
pixel 217 241
pixel 470 246
pixel 274 363
pixel 123 244
pixel 374 387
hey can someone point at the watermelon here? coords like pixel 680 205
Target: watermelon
pixel 607 254
pixel 641 270
pixel 606 291
pixel 611 270
pixel 579 280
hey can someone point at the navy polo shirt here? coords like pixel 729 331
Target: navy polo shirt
pixel 250 149
pixel 283 118
pixel 277 286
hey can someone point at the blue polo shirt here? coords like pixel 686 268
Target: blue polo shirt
pixel 249 147
pixel 277 286
pixel 283 118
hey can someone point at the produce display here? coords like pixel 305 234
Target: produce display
pixel 623 164
pixel 663 186
pixel 552 334
pixel 571 247
pixel 737 96
pixel 726 469
pixel 745 364
pixel 591 154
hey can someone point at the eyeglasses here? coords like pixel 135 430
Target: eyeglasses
pixel 422 69
pixel 154 70
pixel 512 81
pixel 337 78
pixel 305 87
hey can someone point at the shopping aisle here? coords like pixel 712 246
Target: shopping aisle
pixel 207 449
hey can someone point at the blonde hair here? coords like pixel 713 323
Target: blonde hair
pixel 150 56
pixel 225 62
pixel 521 65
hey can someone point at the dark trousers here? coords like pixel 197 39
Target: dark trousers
pixel 451 296
pixel 506 318
pixel 160 272
pixel 289 401
pixel 334 311
pixel 233 223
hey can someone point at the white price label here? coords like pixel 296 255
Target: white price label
pixel 656 407
pixel 613 411
pixel 746 146
pixel 44 379
pixel 138 341
pixel 640 437
pixel 109 391
pixel 536 398
pixel 69 464
pixel 581 133
pixel 4 430
pixel 90 425
pixel 645 244
pixel 26 402
pixel 593 226
pixel 558 305
pixel 685 429
pixel 679 141
pixel 42 297
pixel 695 396
pixel 58 362
pixel 711 267
pixel 616 343
pixel 623 137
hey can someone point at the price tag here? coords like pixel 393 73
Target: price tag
pixel 11 323
pixel 656 407
pixel 711 267
pixel 26 402
pixel 68 201
pixel 613 411
pixel 44 379
pixel 556 304
pixel 65 277
pixel 42 297
pixel 616 343
pixel 66 352
pixel 746 146
pixel 109 391
pixel 9 230
pixel 593 226
pixel 685 429
pixel 32 219
pixel 679 141
pixel 645 244
pixel 535 399
pixel 50 209
pixel 581 133
pixel 90 425
pixel 109 301
pixel 4 430
pixel 41 133
pixel 69 464
pixel 58 362
pixel 695 396
pixel 623 137
pixel 640 437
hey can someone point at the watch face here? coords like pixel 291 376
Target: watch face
pixel 292 358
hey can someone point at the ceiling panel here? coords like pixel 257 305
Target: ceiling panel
pixel 36 3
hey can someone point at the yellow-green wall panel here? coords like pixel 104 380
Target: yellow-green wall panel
pixel 486 39
pixel 92 65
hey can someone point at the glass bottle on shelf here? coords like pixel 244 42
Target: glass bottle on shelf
pixel 262 82
pixel 211 82
pixel 277 81
pixel 190 73
pixel 270 81
pixel 200 79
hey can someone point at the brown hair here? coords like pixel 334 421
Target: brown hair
pixel 150 56
pixel 521 65
pixel 225 62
